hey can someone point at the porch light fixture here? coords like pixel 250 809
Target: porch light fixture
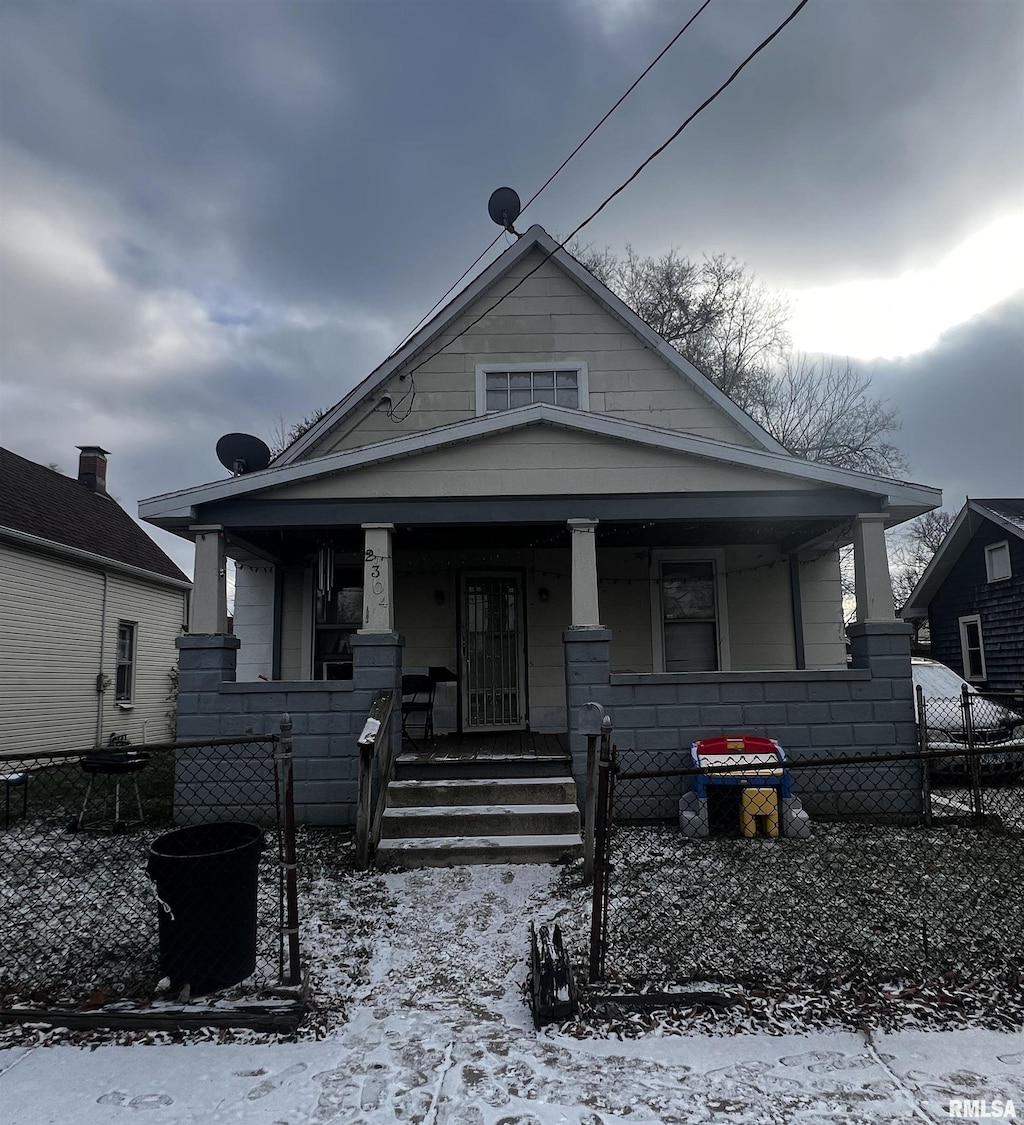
pixel 543 594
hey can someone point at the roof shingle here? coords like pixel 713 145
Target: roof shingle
pixel 38 501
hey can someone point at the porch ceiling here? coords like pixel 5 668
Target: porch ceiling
pixel 297 543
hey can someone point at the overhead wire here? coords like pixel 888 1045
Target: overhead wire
pixel 633 85
pixel 597 211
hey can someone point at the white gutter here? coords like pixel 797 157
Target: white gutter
pixel 98 562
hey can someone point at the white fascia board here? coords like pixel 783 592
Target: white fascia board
pixel 941 563
pixel 950 549
pixel 408 351
pixel 537 237
pixel 602 425
pixel 89 558
pixel 994 517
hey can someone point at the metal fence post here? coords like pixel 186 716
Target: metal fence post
pixel 591 718
pixel 598 919
pixel 973 763
pixel 286 774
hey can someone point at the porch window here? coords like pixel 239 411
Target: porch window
pixel 339 614
pixel 506 387
pixel 997 561
pixel 972 648
pixel 125 684
pixel 689 616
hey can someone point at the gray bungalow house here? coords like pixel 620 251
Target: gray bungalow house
pixel 539 495
pixel 972 594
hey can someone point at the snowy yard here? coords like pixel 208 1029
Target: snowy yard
pixel 421 1017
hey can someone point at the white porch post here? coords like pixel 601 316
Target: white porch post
pixel 871 569
pixel 209 603
pixel 585 610
pixel 378 586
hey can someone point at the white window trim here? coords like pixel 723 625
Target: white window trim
pixel 715 555
pixel 970 619
pixel 990 551
pixel 132 664
pixel 578 366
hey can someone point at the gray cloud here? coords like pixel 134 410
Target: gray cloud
pixel 213 215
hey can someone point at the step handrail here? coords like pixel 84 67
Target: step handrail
pixel 374 742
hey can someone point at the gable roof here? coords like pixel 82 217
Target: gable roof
pixel 177 509
pixel 536 238
pixel 1006 514
pixel 43 508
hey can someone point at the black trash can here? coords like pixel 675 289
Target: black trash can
pixel 206 881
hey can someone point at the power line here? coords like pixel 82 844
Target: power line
pixel 636 82
pixel 593 215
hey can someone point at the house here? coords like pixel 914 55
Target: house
pixel 972 595
pixel 91 608
pixel 537 493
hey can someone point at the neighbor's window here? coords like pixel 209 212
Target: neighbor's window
pixel 972 648
pixel 689 616
pixel 508 387
pixel 997 561
pixel 125 661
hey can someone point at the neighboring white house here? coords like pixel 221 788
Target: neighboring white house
pixel 90 606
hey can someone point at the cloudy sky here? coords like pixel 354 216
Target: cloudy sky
pixel 217 215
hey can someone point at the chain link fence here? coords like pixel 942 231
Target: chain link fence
pixel 129 873
pixel 728 876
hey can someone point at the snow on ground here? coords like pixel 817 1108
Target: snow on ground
pixel 426 1021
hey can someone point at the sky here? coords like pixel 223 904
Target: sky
pixel 220 216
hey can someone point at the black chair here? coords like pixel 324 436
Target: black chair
pixel 418 707
pixel 112 763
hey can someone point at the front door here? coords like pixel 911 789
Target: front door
pixel 492 656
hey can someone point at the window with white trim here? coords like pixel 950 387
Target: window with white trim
pixel 690 620
pixel 997 561
pixel 125 683
pixel 972 648
pixel 507 386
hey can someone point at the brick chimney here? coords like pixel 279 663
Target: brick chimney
pixel 92 468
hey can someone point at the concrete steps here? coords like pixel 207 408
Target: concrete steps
pixel 458 820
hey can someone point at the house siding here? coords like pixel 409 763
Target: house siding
pixel 52 612
pixel 1000 605
pixel 427 590
pixel 548 320
pixel 540 460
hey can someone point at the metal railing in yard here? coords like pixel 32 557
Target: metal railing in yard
pixel 132 874
pixel 749 891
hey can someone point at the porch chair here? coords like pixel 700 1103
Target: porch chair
pixel 418 706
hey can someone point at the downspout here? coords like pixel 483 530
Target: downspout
pixel 101 687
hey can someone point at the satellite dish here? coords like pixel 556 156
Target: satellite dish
pixel 504 208
pixel 242 453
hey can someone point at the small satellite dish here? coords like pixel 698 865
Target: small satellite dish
pixel 504 208
pixel 242 453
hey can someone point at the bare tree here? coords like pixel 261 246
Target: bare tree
pixel 822 411
pixel 283 435
pixel 911 549
pixel 735 330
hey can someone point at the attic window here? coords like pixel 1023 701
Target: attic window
pixel 506 387
pixel 997 561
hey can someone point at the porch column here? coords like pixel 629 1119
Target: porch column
pixel 209 602
pixel 871 569
pixel 378 586
pixel 585 611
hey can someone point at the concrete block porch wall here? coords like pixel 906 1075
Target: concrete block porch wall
pixel 867 708
pixel 327 717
